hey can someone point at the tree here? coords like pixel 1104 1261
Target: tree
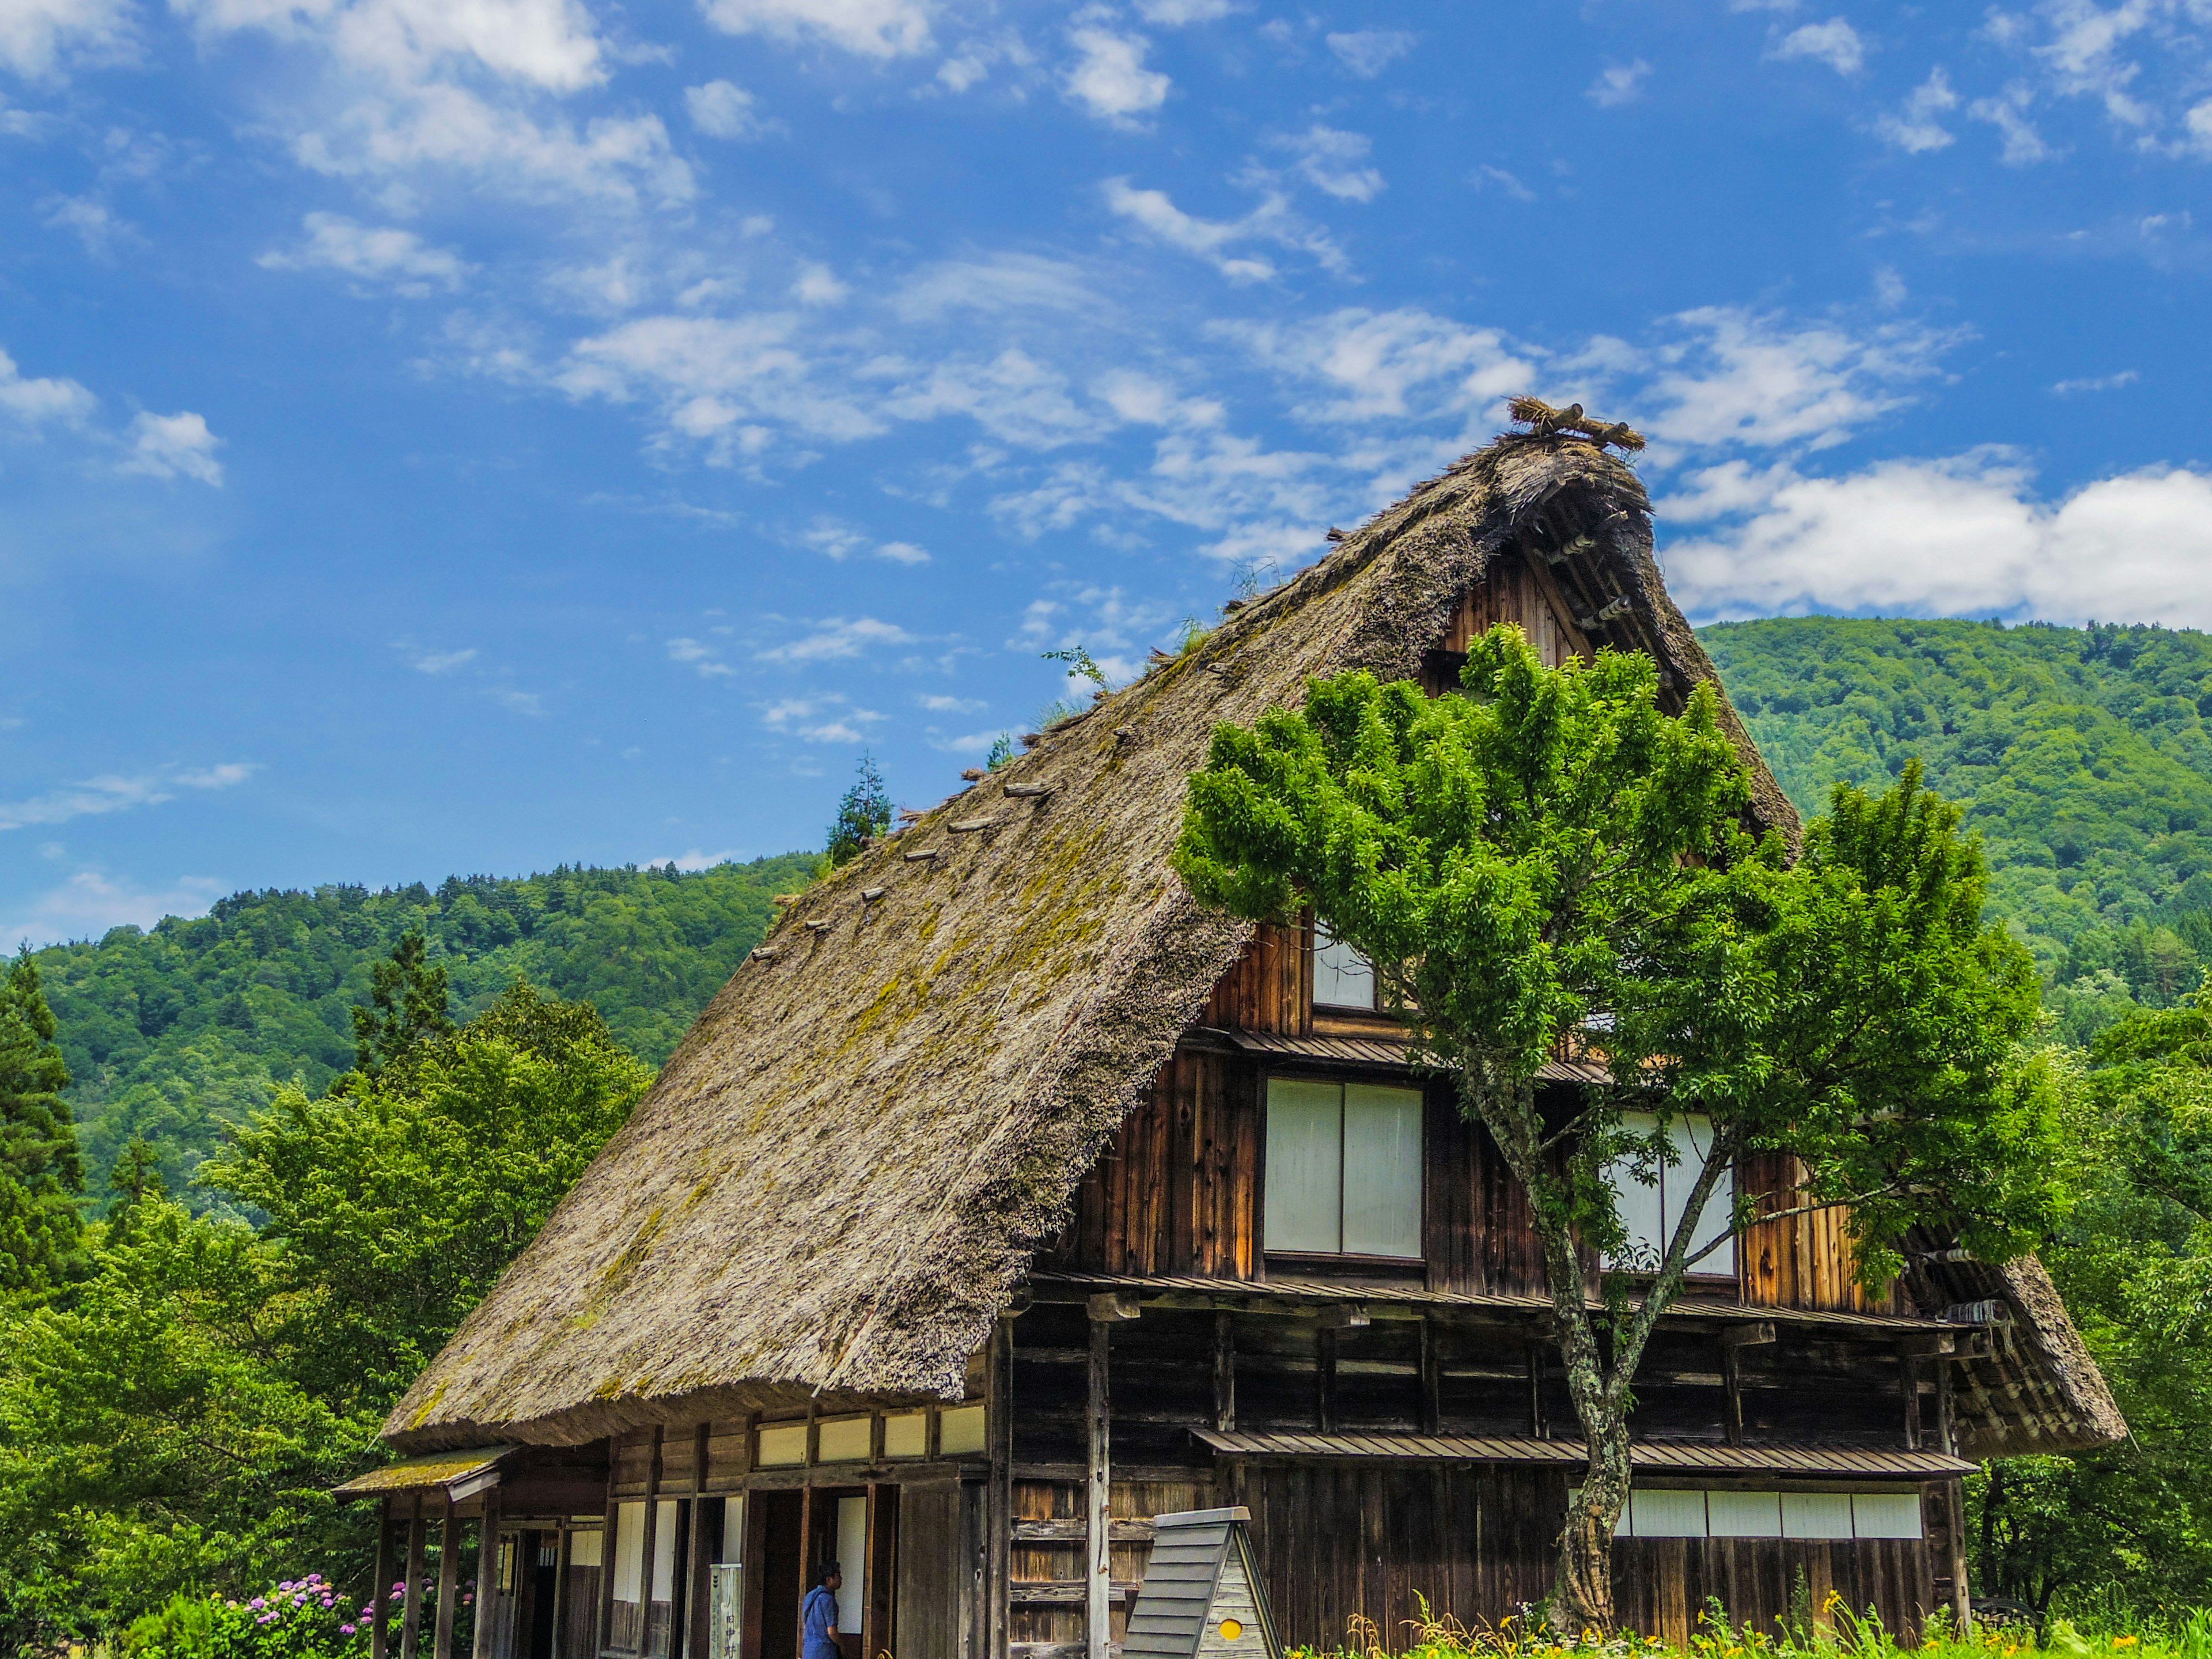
pixel 864 813
pixel 42 1176
pixel 1549 862
pixel 407 1005
pixel 135 1180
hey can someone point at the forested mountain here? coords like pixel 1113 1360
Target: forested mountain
pixel 2082 756
pixel 173 1033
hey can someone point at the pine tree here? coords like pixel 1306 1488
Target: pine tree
pixel 42 1176
pixel 866 811
pixel 136 1181
pixel 407 1005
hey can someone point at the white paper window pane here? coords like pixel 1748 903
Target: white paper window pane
pixel 1342 977
pixel 1642 1203
pixel 1669 1514
pixel 852 1560
pixel 629 1551
pixel 782 1445
pixel 585 1548
pixel 841 1440
pixel 906 1434
pixel 1885 1515
pixel 1692 1138
pixel 1816 1515
pixel 1744 1514
pixel 664 1551
pixel 960 1432
pixel 1305 1166
pixel 1381 1171
pixel 734 1530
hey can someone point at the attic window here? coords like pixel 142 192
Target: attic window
pixel 1342 977
pixel 1344 1169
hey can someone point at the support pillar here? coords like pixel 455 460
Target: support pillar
pixel 648 1545
pixel 1098 1553
pixel 411 1609
pixel 999 1502
pixel 487 1573
pixel 379 1593
pixel 449 1589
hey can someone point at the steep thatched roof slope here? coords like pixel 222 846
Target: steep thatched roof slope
pixel 840 1178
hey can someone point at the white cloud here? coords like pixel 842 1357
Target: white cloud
pixel 517 702
pixel 1964 535
pixel 818 285
pixel 116 793
pixel 371 253
pixel 37 35
pixel 836 636
pixel 168 446
pixel 36 402
pixel 830 718
pixel 702 658
pixel 1737 377
pixel 1108 77
pixel 1181 14
pixel 1390 365
pixel 551 45
pixel 1213 239
pixel 695 861
pixel 1332 160
pixel 1914 128
pixel 874 28
pixel 994 285
pixel 903 553
pixel 1012 397
pixel 1368 52
pixel 89 903
pixel 2023 144
pixel 95 227
pixel 1618 84
pixel 1486 175
pixel 721 109
pixel 442 662
pixel 939 703
pixel 1834 43
pixel 2100 383
pixel 841 541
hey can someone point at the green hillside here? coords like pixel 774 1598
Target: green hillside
pixel 2083 757
pixel 172 1033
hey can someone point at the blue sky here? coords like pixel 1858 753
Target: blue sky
pixel 458 435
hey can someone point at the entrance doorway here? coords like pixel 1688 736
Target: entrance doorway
pixel 783 1562
pixel 797 1532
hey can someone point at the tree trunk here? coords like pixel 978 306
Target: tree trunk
pixel 1581 1593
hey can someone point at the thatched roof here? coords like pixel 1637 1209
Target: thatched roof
pixel 840 1179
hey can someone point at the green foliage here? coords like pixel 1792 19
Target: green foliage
pixel 1081 665
pixel 864 813
pixel 41 1176
pixel 298 1619
pixel 175 1424
pixel 2083 756
pixel 174 1034
pixel 1002 752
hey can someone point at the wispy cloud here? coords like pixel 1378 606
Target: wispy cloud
pixel 1368 52
pixel 703 658
pixel 1618 84
pixel 91 901
pixel 1834 43
pixel 442 662
pixel 1914 128
pixel 1216 240
pixel 830 717
pixel 173 446
pixel 381 255
pixel 36 402
pixel 2126 377
pixel 114 792
pixel 835 637
pixel 1108 77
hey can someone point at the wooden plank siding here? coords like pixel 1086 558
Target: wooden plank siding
pixel 1802 1261
pixel 1271 987
pixel 1515 591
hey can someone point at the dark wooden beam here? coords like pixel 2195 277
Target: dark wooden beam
pixel 411 1611
pixel 1325 1378
pixel 690 1637
pixel 604 1615
pixel 1431 1380
pixel 998 1500
pixel 449 1573
pixel 649 1542
pixel 564 1560
pixel 379 1598
pixel 1098 1490
pixel 1224 1373
pixel 487 1573
pixel 1536 1423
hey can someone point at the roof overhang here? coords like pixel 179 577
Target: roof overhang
pixel 457 1475
pixel 1654 1457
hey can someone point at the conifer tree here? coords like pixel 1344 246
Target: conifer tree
pixel 407 1005
pixel 136 1181
pixel 866 811
pixel 42 1176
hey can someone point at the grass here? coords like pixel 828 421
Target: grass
pixel 1835 1634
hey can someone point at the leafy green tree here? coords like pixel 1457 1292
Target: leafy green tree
pixel 864 813
pixel 409 1005
pixel 135 1180
pixel 1002 752
pixel 1550 862
pixel 393 1208
pixel 42 1176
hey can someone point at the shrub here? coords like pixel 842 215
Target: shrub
pixel 300 1619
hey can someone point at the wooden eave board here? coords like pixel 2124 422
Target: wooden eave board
pixel 1856 1462
pixel 416 1473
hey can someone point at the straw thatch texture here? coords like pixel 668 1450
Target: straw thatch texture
pixel 839 1180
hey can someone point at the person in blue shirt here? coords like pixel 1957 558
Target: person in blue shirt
pixel 817 1621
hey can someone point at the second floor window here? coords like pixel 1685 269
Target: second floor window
pixel 1344 1169
pixel 1342 977
pixel 1652 1210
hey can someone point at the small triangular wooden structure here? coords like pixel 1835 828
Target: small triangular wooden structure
pixel 1202 1596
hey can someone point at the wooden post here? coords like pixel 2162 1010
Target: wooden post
pixel 1908 1370
pixel 1538 1429
pixel 1962 1600
pixel 1432 1388
pixel 690 1637
pixel 1224 1372
pixel 380 1597
pixel 449 1573
pixel 877 1631
pixel 1733 1343
pixel 998 1503
pixel 564 1560
pixel 649 1543
pixel 487 1572
pixel 806 1555
pixel 605 1615
pixel 1325 1378
pixel 1099 1554
pixel 411 1610
pixel 1945 1430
